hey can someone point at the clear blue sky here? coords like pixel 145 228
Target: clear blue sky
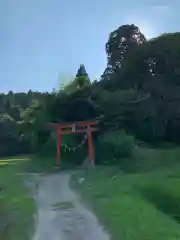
pixel 44 41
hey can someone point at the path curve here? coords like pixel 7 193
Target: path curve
pixel 60 215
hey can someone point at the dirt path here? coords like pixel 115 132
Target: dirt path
pixel 60 215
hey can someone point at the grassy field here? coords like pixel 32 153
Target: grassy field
pixel 16 207
pixel 144 205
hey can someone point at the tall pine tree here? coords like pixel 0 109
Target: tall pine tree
pixel 82 78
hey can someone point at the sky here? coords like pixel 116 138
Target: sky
pixel 43 42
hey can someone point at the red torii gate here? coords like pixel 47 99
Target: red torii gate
pixel 72 128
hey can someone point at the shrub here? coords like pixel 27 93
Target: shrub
pixel 113 146
pixel 49 150
pixel 49 147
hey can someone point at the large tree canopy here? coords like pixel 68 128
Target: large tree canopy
pixel 120 43
pixel 154 68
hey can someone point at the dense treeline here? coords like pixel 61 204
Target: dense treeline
pixel 139 91
pixel 13 108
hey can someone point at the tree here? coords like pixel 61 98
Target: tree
pixel 7 105
pixel 82 78
pixel 154 68
pixel 120 43
pixel 8 135
pixel 15 112
pixel 80 81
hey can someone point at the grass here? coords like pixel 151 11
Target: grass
pixel 144 205
pixel 146 159
pixel 39 164
pixel 16 207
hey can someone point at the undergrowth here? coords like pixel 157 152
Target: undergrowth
pixel 16 206
pixel 141 204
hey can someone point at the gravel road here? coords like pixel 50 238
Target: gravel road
pixel 60 214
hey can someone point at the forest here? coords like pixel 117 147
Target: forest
pixel 137 96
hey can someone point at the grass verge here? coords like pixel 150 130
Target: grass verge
pixel 16 206
pixel 128 204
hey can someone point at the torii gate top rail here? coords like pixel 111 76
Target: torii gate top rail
pixel 75 127
pixel 72 128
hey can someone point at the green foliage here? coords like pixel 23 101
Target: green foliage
pixel 8 127
pixel 8 134
pixel 82 77
pixel 70 87
pixel 49 147
pixel 145 204
pixel 16 118
pixel 120 44
pixel 151 69
pixel 80 81
pixel 113 146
